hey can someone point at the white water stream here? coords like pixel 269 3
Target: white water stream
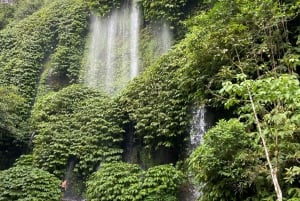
pixel 113 58
pixel 199 126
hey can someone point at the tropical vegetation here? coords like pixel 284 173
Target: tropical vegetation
pixel 238 58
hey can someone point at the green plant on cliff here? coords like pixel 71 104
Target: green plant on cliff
pixel 124 181
pixel 272 105
pixel 161 183
pixel 77 125
pixel 222 166
pixel 24 8
pixel 6 14
pixel 156 105
pixel 12 135
pixel 103 7
pixel 115 181
pixel 28 183
pixel 28 43
pixel 166 10
pixel 223 44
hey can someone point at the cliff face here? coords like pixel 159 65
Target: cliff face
pixel 88 87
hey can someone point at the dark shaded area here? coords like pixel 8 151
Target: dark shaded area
pixel 10 150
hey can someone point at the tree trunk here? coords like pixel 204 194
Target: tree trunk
pixel 272 170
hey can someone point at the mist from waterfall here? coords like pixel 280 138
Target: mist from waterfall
pixel 113 58
pixel 162 38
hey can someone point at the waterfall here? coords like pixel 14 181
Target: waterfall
pixel 198 127
pixel 162 38
pixel 166 38
pixel 113 58
pixel 201 119
pixel 134 40
pixel 110 55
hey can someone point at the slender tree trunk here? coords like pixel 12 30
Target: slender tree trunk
pixel 272 170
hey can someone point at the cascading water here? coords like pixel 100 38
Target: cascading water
pixel 199 125
pixel 162 38
pixel 113 58
pixel 166 38
pixel 134 40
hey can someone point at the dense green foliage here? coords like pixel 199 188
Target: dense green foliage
pixel 75 124
pixel 10 102
pixel 156 105
pixel 25 8
pixel 163 11
pixel 223 165
pixel 6 14
pixel 11 124
pixel 235 52
pixel 161 183
pixel 115 181
pixel 27 183
pixel 124 181
pixel 103 7
pixel 237 42
pixel 276 102
pixel 25 46
pixel 65 62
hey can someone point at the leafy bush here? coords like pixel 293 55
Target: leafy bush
pixel 6 14
pixel 124 181
pixel 223 164
pixel 10 103
pixel 65 62
pixel 156 105
pixel 115 181
pixel 11 132
pixel 28 183
pixel 103 7
pixel 161 183
pixel 274 109
pixel 232 164
pixel 25 8
pixel 26 45
pixel 169 11
pixel 77 124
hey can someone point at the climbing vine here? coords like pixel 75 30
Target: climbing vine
pixel 78 126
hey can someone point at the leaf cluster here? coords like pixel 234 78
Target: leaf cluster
pixel 164 11
pixel 127 182
pixel 76 124
pixel 6 14
pixel 103 7
pixel 156 105
pixel 231 36
pixel 27 44
pixel 28 183
pixel 227 165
